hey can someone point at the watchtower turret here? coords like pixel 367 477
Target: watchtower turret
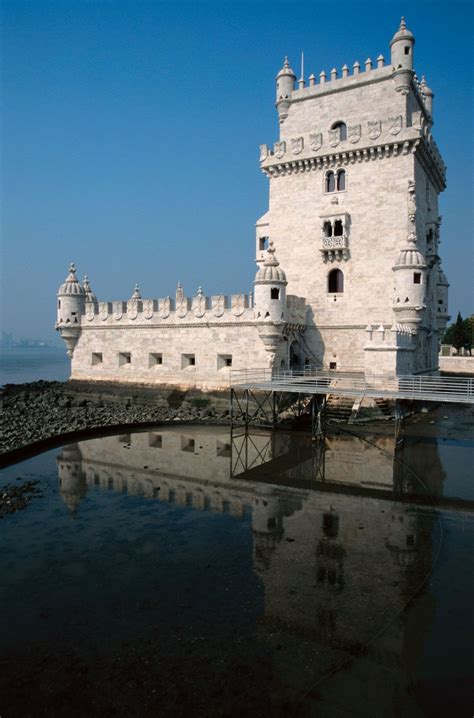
pixel 71 306
pixel 285 83
pixel 410 284
pixel 401 46
pixel 270 289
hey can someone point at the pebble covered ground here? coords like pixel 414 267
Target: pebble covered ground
pixel 40 410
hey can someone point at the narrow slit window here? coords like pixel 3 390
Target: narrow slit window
pixel 416 277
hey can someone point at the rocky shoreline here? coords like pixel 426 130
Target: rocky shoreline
pixel 41 410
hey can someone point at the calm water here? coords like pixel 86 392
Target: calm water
pixel 18 365
pixel 187 572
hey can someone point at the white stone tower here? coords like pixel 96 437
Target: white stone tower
pixel 70 308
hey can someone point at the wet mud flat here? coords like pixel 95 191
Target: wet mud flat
pixel 162 572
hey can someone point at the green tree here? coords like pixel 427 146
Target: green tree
pixel 460 336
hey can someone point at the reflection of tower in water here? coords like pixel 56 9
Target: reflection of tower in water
pixel 72 483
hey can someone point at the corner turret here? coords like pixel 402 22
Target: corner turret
pixel 401 47
pixel 70 308
pixel 270 289
pixel 285 83
pixel 410 284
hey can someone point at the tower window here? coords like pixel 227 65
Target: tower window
pixel 330 182
pixel 342 127
pixel 338 229
pixel 155 359
pixel 263 243
pixel 96 358
pixel 407 49
pixel 187 360
pixel 327 229
pixel 59 304
pixel 335 282
pixel 274 293
pixel 416 277
pixel 341 180
pixel 224 360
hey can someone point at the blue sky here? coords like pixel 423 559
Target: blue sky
pixel 131 133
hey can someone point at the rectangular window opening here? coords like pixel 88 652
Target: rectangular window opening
pixel 155 359
pixel 188 360
pixel 263 243
pixel 407 50
pixel 416 277
pixel 224 360
pixel 125 358
pixel 333 365
pixel 97 358
pixel 188 444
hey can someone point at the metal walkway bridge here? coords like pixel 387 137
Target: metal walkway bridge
pixel 459 390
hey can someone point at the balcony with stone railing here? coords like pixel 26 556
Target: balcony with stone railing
pixel 334 248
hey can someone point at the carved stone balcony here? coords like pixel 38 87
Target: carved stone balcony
pixel 334 248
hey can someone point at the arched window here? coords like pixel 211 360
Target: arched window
pixel 330 182
pixel 342 127
pixel 335 281
pixel 274 293
pixel 341 180
pixel 327 229
pixel 338 228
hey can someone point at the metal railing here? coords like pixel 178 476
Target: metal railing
pixel 318 381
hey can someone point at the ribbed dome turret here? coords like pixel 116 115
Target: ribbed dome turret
pixel 410 256
pixel 286 70
pixel 90 296
pixel 442 278
pixel 402 33
pixel 71 286
pixel 271 271
pixel 136 293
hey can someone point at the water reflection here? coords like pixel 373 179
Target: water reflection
pixel 338 566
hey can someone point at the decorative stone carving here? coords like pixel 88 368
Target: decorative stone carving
pixel 411 201
pixel 103 311
pixel 148 308
pixel 375 129
pixel 132 309
pixel 90 311
pixel 280 149
pixel 354 133
pixel 395 124
pixel 263 152
pixel 164 307
pixel 315 141
pixel 297 145
pixel 238 304
pixel 117 310
pixel 334 137
pixel 182 307
pixel 218 305
pixel 199 304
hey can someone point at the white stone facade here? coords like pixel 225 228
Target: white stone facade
pixel 353 218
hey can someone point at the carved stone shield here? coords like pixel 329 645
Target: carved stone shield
pixel 199 305
pixel 354 133
pixel 375 129
pixel 89 311
pixel 218 305
pixel 132 309
pixel 263 152
pixel 182 307
pixel 334 137
pixel 117 309
pixel 164 307
pixel 238 304
pixel 148 308
pixel 280 149
pixel 103 311
pixel 316 141
pixel 297 145
pixel 395 125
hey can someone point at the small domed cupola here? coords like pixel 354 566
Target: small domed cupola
pixel 270 289
pixel 410 256
pixel 285 83
pixel 90 296
pixel 71 285
pixel 136 293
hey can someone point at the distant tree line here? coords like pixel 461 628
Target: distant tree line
pixel 460 334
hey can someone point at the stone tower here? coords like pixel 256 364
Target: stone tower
pixel 354 179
